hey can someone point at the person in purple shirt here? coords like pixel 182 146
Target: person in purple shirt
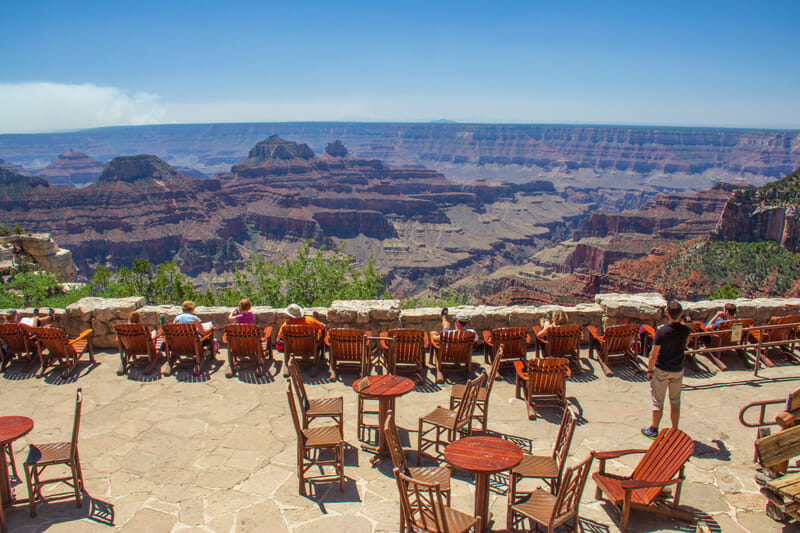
pixel 242 314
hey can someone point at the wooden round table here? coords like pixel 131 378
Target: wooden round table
pixel 385 388
pixel 482 456
pixel 11 428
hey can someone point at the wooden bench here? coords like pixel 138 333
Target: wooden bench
pixel 783 491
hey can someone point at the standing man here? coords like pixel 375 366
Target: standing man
pixel 665 367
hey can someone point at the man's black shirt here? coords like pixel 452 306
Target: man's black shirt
pixel 672 338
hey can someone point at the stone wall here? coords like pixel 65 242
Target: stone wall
pixel 380 315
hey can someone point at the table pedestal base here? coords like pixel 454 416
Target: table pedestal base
pixel 482 500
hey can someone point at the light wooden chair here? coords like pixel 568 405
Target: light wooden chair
pixel 543 380
pixel 407 351
pixel 137 346
pixel 42 456
pixel 453 349
pixel 19 342
pixel 560 341
pixel 61 348
pixel 515 343
pixel 345 348
pixel 246 344
pixel 184 341
pixel 616 341
pixel 481 412
pixel 310 441
pixel 422 508
pixel 330 407
pixel 304 344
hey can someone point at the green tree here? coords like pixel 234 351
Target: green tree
pixel 726 292
pixel 18 229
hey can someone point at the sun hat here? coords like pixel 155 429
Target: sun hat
pixel 461 316
pixel 295 311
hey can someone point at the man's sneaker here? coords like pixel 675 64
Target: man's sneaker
pixel 650 432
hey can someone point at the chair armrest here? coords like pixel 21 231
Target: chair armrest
pixel 649 330
pixel 85 333
pixel 209 335
pixel 594 335
pixel 487 337
pixel 521 369
pixel 613 454
pixel 536 330
pixel 327 339
pixel 527 338
pixel 633 484
pixel 267 334
pixel 425 341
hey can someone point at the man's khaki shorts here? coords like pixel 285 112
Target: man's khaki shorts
pixel 663 381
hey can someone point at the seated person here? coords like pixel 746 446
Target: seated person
pixel 298 317
pixel 728 313
pixel 188 317
pixel 557 318
pixel 242 314
pixel 136 318
pixel 461 321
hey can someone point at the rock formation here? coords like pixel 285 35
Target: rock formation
pixel 41 251
pixel 72 169
pixel 13 167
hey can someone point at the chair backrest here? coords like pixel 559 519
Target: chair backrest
pixel 781 334
pixel 494 370
pixel 570 491
pixel 547 375
pixel 618 339
pixel 16 338
pixel 564 438
pixel 76 425
pixel 563 340
pixel 408 346
pixel 55 340
pixel 456 346
pixel 244 340
pixel 297 383
pixel 663 460
pixel 301 437
pixel 135 339
pixel 724 337
pixel 467 405
pixel 514 341
pixel 421 504
pixel 299 340
pixel 395 446
pixel 346 345
pixel 182 339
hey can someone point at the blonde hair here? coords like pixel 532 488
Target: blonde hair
pixel 187 306
pixel 559 318
pixel 244 304
pixel 136 317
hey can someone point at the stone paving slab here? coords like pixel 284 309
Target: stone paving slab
pixel 207 453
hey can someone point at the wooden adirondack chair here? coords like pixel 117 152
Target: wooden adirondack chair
pixel 455 348
pixel 303 343
pixel 616 341
pixel 514 340
pixel 246 344
pixel 422 508
pixel 137 346
pixel 19 342
pixel 724 339
pixel 61 348
pixel 786 336
pixel 544 379
pixel 345 348
pixel 407 351
pixel 184 342
pixel 661 466
pixel 560 341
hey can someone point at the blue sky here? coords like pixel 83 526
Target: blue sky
pixel 84 64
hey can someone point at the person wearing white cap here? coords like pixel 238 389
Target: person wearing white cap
pixel 298 317
pixel 460 320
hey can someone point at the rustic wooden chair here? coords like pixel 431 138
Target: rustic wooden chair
pixel 481 412
pixel 616 341
pixel 723 338
pixel 448 421
pixel 137 346
pixel 560 341
pixel 455 348
pixel 184 342
pixel 61 348
pixel 310 441
pixel 407 351
pixel 515 343
pixel 550 468
pixel 345 348
pixel 547 510
pixel 331 407
pixel 544 380
pixel 246 344
pixel 662 465
pixel 422 508
pixel 19 342
pixel 41 456
pixel 786 336
pixel 303 343
pixel 428 474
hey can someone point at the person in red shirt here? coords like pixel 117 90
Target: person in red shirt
pixel 298 317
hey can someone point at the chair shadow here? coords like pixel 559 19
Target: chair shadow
pixel 248 375
pixel 16 370
pixel 704 451
pixel 587 374
pixel 629 372
pixel 751 382
pixel 644 521
pixel 324 491
pixel 54 377
pixel 64 511
pixel 209 366
pixel 137 372
pixel 553 413
pixel 586 525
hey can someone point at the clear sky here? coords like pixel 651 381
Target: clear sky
pixel 70 65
